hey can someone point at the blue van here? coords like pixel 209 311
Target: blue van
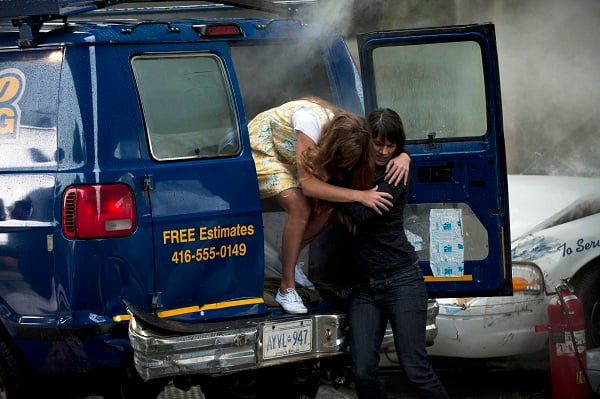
pixel 132 235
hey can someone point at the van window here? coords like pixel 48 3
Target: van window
pixel 28 107
pixel 272 73
pixel 187 106
pixel 436 87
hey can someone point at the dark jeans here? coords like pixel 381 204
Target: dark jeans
pixel 401 298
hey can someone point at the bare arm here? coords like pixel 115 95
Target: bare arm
pixel 396 170
pixel 317 188
pixel 360 215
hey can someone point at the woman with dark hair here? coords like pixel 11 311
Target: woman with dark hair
pixel 296 148
pixel 388 284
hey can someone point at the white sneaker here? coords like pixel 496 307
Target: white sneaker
pixel 301 278
pixel 291 302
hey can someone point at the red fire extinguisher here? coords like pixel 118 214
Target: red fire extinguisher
pixel 566 333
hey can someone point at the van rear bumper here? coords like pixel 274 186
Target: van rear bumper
pixel 223 347
pixel 164 349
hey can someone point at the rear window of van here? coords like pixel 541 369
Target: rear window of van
pixel 187 106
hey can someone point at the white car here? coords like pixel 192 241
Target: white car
pixel 555 230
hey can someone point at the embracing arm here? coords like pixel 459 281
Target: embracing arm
pixel 396 170
pixel 359 214
pixel 317 188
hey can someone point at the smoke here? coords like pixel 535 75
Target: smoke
pixel 549 69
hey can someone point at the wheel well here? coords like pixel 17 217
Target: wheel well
pixel 14 369
pixel 586 283
pixel 586 271
pixel 7 338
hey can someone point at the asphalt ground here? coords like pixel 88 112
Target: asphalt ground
pixel 522 377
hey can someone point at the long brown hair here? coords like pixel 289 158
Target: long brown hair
pixel 344 152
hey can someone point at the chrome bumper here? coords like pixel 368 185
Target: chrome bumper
pixel 162 351
pixel 224 349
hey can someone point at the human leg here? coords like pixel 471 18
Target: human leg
pixel 366 331
pixel 405 303
pixel 317 223
pixel 298 210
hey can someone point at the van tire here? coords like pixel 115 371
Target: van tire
pixel 11 374
pixel 586 285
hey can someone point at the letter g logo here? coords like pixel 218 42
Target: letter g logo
pixel 12 85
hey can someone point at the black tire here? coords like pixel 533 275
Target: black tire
pixel 11 374
pixel 587 288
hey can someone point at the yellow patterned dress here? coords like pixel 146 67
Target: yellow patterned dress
pixel 273 142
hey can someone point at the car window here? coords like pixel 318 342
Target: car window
pixel 437 88
pixel 420 222
pixel 187 106
pixel 28 108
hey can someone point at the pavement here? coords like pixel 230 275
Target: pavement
pixel 325 392
pixel 522 377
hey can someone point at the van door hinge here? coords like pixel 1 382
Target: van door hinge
pixel 147 183
pixel 155 301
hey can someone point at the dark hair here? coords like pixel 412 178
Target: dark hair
pixel 386 124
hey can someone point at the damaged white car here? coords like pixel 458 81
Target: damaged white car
pixel 555 230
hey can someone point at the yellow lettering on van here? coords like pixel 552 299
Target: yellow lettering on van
pixel 8 120
pixel 179 236
pixel 12 86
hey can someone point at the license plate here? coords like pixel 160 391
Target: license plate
pixel 286 339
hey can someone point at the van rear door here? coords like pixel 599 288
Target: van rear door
pixel 201 183
pixel 444 83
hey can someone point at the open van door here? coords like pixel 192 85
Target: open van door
pixel 444 83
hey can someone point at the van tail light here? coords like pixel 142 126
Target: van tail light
pixel 98 211
pixel 218 30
